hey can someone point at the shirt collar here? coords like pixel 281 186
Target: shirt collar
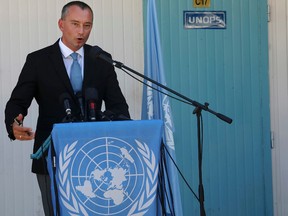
pixel 67 51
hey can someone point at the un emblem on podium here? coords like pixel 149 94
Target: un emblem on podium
pixel 107 176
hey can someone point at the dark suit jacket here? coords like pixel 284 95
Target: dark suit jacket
pixel 44 78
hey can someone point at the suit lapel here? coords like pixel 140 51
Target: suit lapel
pixel 87 66
pixel 57 59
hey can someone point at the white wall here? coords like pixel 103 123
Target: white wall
pixel 278 55
pixel 27 25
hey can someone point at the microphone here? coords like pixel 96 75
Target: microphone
pixel 91 96
pixel 80 102
pixel 65 99
pixel 97 52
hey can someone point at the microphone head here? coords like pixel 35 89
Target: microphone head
pixel 63 97
pixel 91 94
pixel 95 51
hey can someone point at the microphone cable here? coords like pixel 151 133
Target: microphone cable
pixel 201 147
pixel 179 171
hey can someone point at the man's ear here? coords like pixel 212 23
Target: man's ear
pixel 60 24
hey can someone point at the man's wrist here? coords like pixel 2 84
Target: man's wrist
pixel 11 133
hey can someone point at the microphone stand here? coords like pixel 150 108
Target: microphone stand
pixel 198 109
pixel 190 101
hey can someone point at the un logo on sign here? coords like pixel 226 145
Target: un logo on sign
pixel 107 176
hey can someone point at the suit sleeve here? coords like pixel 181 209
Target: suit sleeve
pixel 21 97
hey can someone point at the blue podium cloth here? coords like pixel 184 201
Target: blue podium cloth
pixel 105 168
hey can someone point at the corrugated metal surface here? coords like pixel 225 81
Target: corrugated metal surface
pixel 229 69
pixel 27 25
pixel 278 54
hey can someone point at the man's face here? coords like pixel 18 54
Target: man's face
pixel 76 27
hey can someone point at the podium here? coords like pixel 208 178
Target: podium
pixel 105 168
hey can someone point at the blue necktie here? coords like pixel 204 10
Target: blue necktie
pixel 75 73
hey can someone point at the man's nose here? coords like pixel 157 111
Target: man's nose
pixel 81 29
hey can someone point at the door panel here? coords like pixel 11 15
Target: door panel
pixel 229 70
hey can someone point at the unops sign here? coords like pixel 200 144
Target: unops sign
pixel 204 19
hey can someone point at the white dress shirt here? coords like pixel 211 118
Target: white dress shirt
pixel 66 52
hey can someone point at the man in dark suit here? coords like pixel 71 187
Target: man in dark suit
pixel 45 77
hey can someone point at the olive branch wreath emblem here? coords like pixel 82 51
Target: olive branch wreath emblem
pixel 140 207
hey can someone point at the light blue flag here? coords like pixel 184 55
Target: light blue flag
pixel 156 106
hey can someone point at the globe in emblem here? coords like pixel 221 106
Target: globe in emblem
pixel 107 176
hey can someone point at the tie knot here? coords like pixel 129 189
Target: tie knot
pixel 74 56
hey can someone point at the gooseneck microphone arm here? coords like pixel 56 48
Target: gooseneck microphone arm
pixel 80 103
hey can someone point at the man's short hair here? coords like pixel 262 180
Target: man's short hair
pixel 80 4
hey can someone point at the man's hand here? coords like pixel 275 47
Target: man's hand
pixel 20 132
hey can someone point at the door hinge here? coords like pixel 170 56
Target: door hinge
pixel 272 140
pixel 268 13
